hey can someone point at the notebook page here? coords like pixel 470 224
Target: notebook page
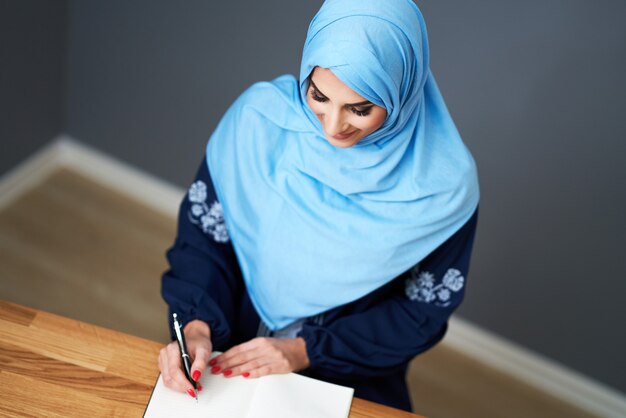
pixel 220 398
pixel 292 395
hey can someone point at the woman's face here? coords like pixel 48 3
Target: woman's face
pixel 345 116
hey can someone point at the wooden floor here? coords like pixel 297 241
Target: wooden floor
pixel 75 248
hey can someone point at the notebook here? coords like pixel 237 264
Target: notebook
pixel 274 396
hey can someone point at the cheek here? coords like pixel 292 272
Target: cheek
pixel 316 107
pixel 372 122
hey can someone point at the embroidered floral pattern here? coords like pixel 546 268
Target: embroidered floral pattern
pixel 197 192
pixel 209 218
pixel 453 280
pixel 421 287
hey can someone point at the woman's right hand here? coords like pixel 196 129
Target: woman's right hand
pixel 198 339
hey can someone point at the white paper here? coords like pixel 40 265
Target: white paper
pixel 292 395
pixel 274 396
pixel 220 397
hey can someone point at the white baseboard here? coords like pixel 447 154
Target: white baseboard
pixel 471 340
pixel 65 152
pixel 152 191
pixel 29 173
pixel 535 369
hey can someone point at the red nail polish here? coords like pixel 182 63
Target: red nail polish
pixel 228 372
pixel 216 369
pixel 191 393
pixel 212 362
pixel 246 374
pixel 199 386
pixel 196 375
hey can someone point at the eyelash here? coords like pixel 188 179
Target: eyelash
pixel 361 112
pixel 317 97
pixel 321 99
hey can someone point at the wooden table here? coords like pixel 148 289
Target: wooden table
pixel 54 366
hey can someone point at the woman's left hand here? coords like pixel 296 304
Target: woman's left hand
pixel 262 356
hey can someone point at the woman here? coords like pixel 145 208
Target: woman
pixel 330 226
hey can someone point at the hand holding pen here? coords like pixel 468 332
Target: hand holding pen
pixel 196 343
pixel 186 360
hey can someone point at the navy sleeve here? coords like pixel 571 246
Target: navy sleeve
pixel 381 332
pixel 201 282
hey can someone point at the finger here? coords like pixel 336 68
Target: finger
pixel 244 369
pixel 258 372
pixel 164 367
pixel 243 347
pixel 277 364
pixel 275 354
pixel 177 379
pixel 250 346
pixel 201 356
pixel 269 355
pixel 161 361
pixel 241 357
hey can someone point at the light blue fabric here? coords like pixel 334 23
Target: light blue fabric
pixel 315 226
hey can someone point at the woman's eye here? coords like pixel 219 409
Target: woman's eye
pixel 317 97
pixel 358 112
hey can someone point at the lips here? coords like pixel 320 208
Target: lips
pixel 344 135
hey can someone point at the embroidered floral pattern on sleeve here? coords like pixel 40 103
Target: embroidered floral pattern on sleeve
pixel 421 286
pixel 209 218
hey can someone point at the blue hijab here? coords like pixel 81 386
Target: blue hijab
pixel 315 226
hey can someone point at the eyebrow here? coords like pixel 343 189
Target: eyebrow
pixel 366 102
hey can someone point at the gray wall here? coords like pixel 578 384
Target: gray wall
pixel 535 87
pixel 538 91
pixel 33 51
pixel 149 80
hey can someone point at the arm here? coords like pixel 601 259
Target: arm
pixel 202 280
pixel 384 330
pixel 200 285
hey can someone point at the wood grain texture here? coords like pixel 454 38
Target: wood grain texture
pixel 17 314
pixel 55 366
pixel 127 353
pixel 24 396
pixel 60 367
pixel 366 409
pixel 18 361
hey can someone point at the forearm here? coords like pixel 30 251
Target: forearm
pixel 360 347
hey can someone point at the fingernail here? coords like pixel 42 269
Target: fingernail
pixel 246 374
pixel 228 372
pixel 191 393
pixel 199 386
pixel 196 375
pixel 216 369
pixel 212 362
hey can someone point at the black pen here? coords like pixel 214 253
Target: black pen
pixel 180 337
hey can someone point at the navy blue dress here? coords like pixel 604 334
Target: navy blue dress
pixel 365 344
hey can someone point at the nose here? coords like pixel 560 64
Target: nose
pixel 334 122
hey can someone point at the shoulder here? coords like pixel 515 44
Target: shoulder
pixel 276 103
pixel 261 111
pixel 281 89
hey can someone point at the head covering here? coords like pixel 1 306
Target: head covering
pixel 315 226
